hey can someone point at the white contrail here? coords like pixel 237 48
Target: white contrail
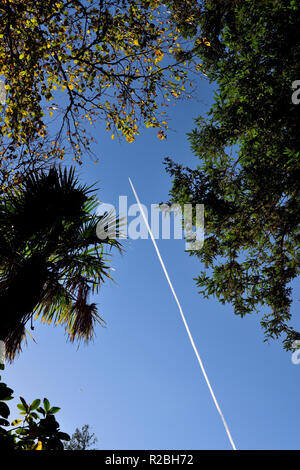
pixel 183 319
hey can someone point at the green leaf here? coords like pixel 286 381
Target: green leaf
pixel 54 409
pixel 5 392
pixel 46 404
pixel 21 407
pixel 4 422
pixel 21 431
pixel 24 403
pixel 4 410
pixel 7 398
pixel 35 404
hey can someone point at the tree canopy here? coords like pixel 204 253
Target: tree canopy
pixel 37 429
pixel 81 439
pixel 248 170
pixel 67 63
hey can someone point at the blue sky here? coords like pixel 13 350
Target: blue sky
pixel 139 385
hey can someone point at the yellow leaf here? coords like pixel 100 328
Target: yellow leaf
pixel 39 446
pixel 16 422
pixel 206 42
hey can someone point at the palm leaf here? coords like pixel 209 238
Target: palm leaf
pixel 50 218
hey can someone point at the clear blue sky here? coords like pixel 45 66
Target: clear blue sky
pixel 139 385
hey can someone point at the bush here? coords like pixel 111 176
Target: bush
pixel 36 430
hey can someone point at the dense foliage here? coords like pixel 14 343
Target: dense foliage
pixel 36 430
pixel 248 149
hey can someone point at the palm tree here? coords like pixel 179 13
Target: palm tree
pixel 50 256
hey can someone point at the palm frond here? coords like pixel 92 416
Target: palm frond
pixel 48 224
pixel 13 343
